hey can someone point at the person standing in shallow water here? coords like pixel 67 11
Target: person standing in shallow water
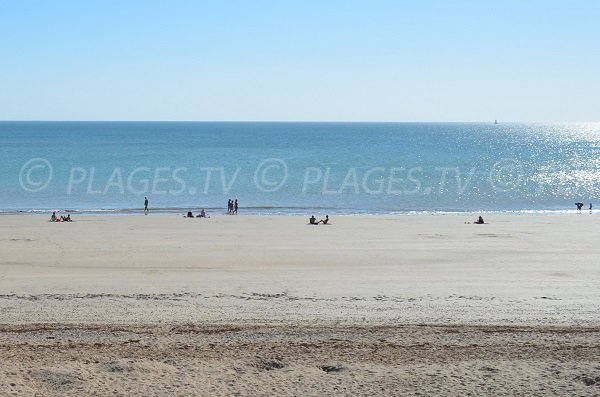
pixel 145 205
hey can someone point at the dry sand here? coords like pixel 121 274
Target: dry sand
pixel 237 305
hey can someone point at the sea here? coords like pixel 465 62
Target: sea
pixel 297 168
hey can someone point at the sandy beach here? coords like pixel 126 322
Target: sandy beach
pixel 401 122
pixel 390 305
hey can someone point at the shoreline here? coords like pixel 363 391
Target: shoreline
pixel 218 212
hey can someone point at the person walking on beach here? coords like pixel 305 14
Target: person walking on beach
pixel 235 207
pixel 229 206
pixel 145 205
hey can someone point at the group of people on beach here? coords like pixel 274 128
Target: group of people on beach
pixel 579 206
pixel 61 218
pixel 202 214
pixel 232 207
pixel 188 215
pixel 478 221
pixel 313 221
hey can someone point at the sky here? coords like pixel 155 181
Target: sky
pixel 334 60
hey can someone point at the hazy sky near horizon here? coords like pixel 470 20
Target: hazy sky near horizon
pixel 429 60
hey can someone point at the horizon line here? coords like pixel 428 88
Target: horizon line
pixel 291 121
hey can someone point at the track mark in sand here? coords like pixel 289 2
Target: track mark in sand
pixel 588 380
pixel 492 235
pixel 560 274
pixel 57 381
pixel 332 368
pixel 256 295
pixel 61 249
pixel 195 329
pixel 116 366
pixel 268 364
pixel 14 240
pixel 434 236
pixel 61 256
pixel 489 369
pixel 131 367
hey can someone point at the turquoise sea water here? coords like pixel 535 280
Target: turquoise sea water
pixel 297 168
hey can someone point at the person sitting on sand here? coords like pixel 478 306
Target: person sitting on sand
pixel 324 221
pixel 53 217
pixel 189 215
pixel 202 214
pixel 313 220
pixel 68 218
pixel 479 221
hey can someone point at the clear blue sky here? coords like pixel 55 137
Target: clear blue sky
pixel 426 60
